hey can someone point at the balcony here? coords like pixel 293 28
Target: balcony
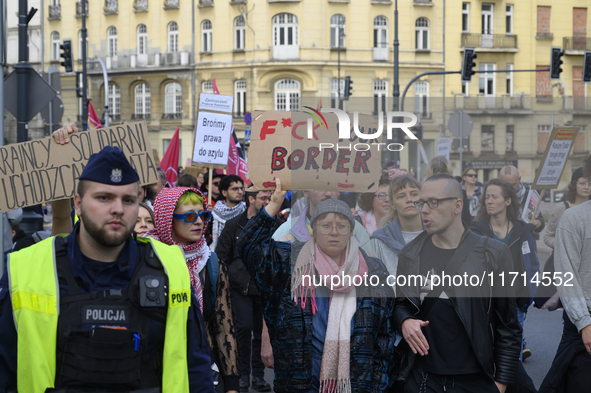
pixel 205 3
pixel 576 45
pixel 111 7
pixel 55 12
pixel 140 6
pixel 428 3
pixel 171 4
pixel 518 104
pixel 172 116
pixel 490 42
pixel 141 116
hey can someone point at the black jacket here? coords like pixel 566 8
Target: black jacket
pixel 488 312
pixel 240 280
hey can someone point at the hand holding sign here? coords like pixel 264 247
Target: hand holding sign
pixel 61 136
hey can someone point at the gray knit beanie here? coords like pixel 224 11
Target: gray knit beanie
pixel 333 206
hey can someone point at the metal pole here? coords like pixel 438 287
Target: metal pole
pixel 396 87
pixel 3 61
pixel 22 71
pixel 106 83
pixel 461 143
pixel 84 81
pixel 339 65
pixel 442 129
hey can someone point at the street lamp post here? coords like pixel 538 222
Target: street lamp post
pixel 340 34
pixel 396 89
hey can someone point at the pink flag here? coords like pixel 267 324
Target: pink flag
pixel 170 161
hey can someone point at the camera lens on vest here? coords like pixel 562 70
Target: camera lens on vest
pixel 152 294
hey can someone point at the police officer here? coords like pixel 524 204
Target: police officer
pixel 98 309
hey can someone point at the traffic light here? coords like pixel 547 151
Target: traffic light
pixel 555 62
pixel 66 48
pixel 348 88
pixel 79 85
pixel 468 64
pixel 587 67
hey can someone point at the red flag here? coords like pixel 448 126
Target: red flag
pixel 93 121
pixel 170 161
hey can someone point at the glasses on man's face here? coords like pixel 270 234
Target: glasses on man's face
pixel 433 203
pixel 471 175
pixel 381 196
pixel 216 183
pixel 327 227
pixel 264 199
pixel 192 217
pixel 236 189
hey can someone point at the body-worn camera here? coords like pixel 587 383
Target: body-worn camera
pixel 153 291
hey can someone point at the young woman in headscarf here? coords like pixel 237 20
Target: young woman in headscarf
pixel 326 338
pixel 181 217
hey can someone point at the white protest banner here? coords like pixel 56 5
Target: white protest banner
pixel 531 205
pixel 443 147
pixel 41 171
pixel 212 139
pixel 557 152
pixel 216 102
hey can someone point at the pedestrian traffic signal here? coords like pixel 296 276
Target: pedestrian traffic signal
pixel 348 88
pixel 468 64
pixel 66 54
pixel 587 67
pixel 555 62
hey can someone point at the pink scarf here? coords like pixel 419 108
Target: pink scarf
pixel 196 254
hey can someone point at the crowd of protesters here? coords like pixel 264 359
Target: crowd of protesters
pixel 254 258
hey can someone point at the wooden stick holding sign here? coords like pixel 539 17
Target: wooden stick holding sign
pixel 41 171
pixel 213 133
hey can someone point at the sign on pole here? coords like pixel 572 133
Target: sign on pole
pixel 443 147
pixel 552 165
pixel 215 102
pixel 41 170
pixel 212 138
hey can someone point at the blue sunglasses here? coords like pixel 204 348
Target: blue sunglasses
pixel 192 217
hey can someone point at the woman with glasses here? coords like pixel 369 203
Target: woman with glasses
pixel 374 207
pixel 498 218
pixel 181 217
pixel 473 189
pixel 329 331
pixel 404 222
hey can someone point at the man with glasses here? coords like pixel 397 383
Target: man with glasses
pixel 232 189
pixel 215 191
pixel 462 338
pixel 246 302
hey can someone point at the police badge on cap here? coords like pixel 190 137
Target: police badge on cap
pixel 109 166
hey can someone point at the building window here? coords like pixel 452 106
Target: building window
pixel 114 101
pixel 543 20
pixel 465 17
pixel 543 83
pixel 509 139
pixel 422 98
pixel 486 79
pixel 509 80
pixel 55 45
pixel 380 92
pixel 206 36
pixel 142 40
pixel 207 87
pixel 287 95
pixel 422 33
pixel 543 136
pixel 579 145
pixel 173 37
pixel 285 36
pixel 488 139
pixel 334 93
pixel 579 89
pixel 487 25
pixel 80 44
pixel 337 31
pixel 142 101
pixel 239 31
pixel 173 98
pixel 509 19
pixel 112 40
pixel 579 28
pixel 380 38
pixel 240 97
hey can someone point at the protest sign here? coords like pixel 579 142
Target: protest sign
pixel 531 206
pixel 212 138
pixel 324 162
pixel 41 170
pixel 552 165
pixel 215 102
pixel 443 147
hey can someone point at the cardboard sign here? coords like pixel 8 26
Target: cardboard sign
pixel 280 148
pixel 443 147
pixel 215 102
pixel 212 138
pixel 41 170
pixel 559 147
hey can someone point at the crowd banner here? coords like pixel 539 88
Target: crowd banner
pixel 304 151
pixel 552 165
pixel 41 170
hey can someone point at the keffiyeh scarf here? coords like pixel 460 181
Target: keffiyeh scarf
pixel 222 213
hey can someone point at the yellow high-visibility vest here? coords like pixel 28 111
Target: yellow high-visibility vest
pixel 34 291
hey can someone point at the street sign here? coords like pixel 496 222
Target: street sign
pixel 460 120
pixel 248 118
pixel 39 93
pixel 57 110
pixel 247 131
